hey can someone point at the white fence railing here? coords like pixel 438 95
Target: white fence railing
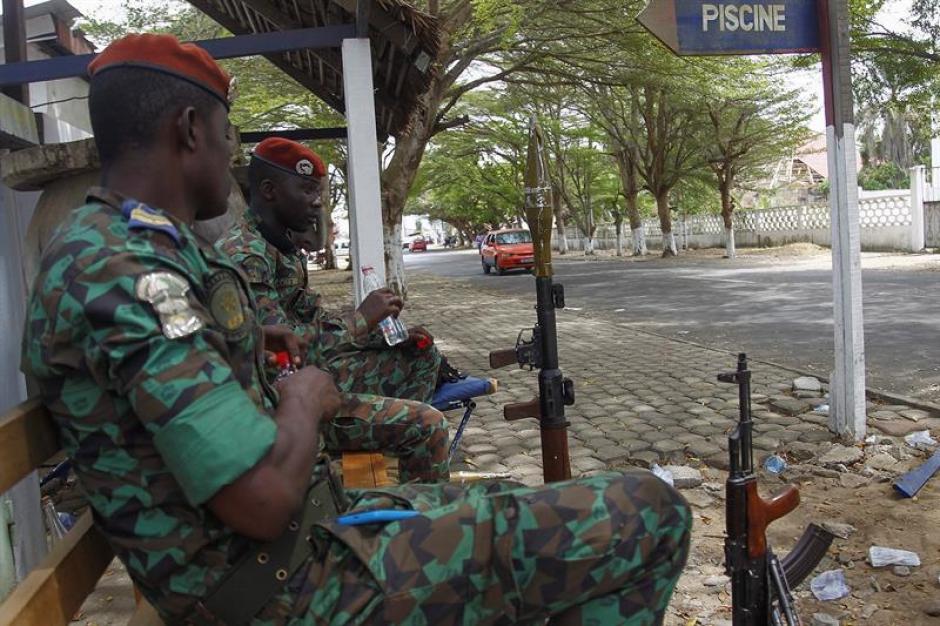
pixel 886 219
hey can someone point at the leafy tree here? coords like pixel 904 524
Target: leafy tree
pixel 883 176
pixel 751 124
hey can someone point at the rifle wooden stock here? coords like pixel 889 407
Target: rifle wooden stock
pixel 556 465
pixel 502 358
pixel 520 410
pixel 761 513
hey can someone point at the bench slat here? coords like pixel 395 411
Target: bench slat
pixel 364 469
pixel 55 590
pixel 28 437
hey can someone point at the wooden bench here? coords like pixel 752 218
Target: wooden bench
pixel 53 592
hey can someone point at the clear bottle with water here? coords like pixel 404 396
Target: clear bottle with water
pixel 393 329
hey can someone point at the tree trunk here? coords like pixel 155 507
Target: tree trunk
pixel 394 263
pixel 396 181
pixel 562 238
pixel 631 189
pixel 665 224
pixel 618 227
pixel 639 241
pixel 329 254
pixel 727 216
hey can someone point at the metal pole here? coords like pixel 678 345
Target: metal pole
pixel 14 45
pixel 847 389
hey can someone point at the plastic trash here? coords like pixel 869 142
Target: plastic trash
pixel 775 464
pixel 829 585
pixel 822 409
pixel 920 438
pixel 880 557
pixel 662 474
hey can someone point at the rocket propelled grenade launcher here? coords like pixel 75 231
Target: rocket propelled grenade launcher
pixel 760 582
pixel 540 349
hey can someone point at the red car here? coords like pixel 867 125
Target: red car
pixel 420 244
pixel 507 249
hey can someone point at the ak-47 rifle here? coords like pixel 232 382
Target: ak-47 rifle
pixel 540 350
pixel 760 582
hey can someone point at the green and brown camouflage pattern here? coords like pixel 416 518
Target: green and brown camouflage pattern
pixel 278 277
pixel 154 426
pixel 413 432
pixel 360 360
pixel 598 551
pixel 160 398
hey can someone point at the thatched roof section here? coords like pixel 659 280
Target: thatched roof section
pixel 404 42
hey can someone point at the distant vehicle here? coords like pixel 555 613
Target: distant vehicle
pixel 419 244
pixel 507 249
pixel 341 247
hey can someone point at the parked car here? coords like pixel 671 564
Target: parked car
pixel 507 249
pixel 419 244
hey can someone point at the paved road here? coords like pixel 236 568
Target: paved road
pixel 775 310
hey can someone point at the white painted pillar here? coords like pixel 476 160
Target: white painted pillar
pixel 29 536
pixel 918 215
pixel 365 193
pixel 847 415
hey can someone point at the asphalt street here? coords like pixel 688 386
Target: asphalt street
pixel 777 310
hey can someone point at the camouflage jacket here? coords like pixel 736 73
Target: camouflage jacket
pixel 279 283
pixel 145 346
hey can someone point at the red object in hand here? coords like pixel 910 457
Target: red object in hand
pixel 422 343
pixel 282 360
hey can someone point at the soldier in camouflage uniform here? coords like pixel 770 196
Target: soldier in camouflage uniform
pixel 284 173
pixel 147 350
pixel 284 179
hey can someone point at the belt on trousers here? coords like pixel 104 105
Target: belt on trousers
pixel 264 571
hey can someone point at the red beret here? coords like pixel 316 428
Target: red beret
pixel 164 53
pixel 290 156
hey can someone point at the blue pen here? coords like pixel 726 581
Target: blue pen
pixel 375 517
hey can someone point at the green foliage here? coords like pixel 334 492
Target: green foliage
pixel 883 176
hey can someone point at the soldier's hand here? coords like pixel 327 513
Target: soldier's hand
pixel 312 385
pixel 280 338
pixel 380 304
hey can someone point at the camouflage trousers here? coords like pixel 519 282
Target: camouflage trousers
pixel 605 550
pixel 375 368
pixel 413 432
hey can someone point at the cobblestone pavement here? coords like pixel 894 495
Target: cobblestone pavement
pixel 640 398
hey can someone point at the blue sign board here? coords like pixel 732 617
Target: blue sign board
pixel 691 27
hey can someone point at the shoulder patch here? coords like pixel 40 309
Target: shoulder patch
pixel 139 216
pixel 256 269
pixel 225 302
pixel 167 293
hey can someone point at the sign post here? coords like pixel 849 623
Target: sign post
pixel 847 412
pixel 736 27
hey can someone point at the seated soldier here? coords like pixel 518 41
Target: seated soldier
pixel 284 180
pixel 146 349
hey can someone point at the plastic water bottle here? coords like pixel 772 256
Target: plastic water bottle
pixel 393 329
